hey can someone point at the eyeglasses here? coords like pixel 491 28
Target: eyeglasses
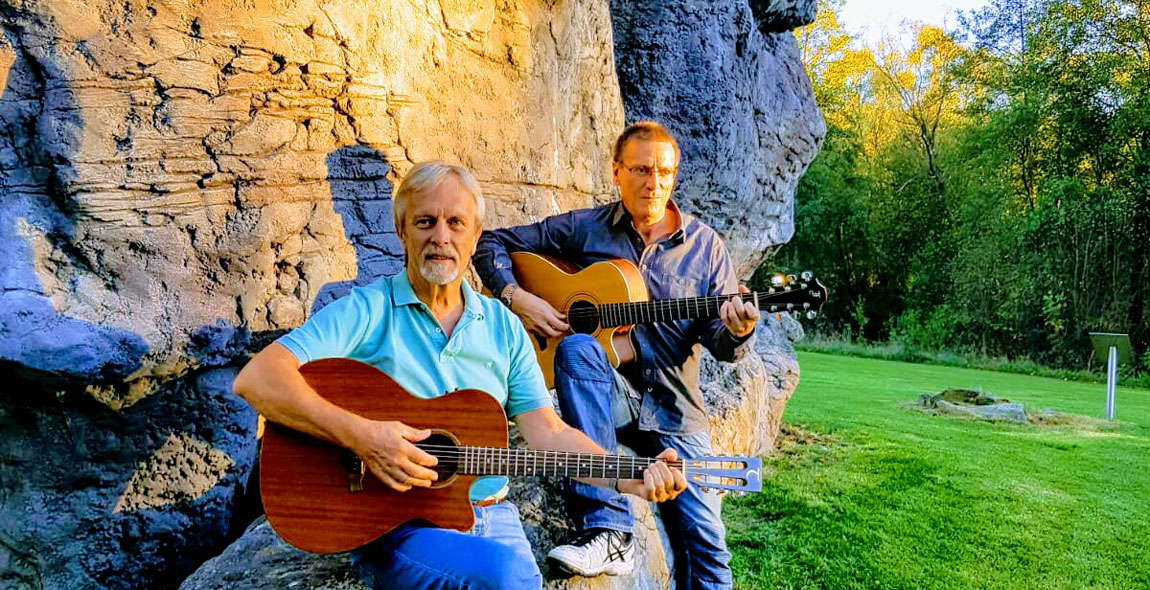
pixel 645 171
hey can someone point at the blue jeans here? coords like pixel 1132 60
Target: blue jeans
pixel 595 399
pixel 493 555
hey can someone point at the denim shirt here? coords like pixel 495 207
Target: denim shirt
pixel 691 262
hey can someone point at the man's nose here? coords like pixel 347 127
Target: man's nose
pixel 440 234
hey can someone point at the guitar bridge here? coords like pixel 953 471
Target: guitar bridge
pixel 356 469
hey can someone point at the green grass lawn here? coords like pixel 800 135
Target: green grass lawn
pixel 873 495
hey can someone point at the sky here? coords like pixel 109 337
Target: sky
pixel 871 17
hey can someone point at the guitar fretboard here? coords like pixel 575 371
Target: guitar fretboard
pixel 529 463
pixel 668 310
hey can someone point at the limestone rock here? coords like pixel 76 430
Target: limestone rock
pixel 98 498
pixel 973 403
pixel 777 16
pixel 183 182
pixel 259 560
pixel 1013 412
pixel 165 167
pixel 746 399
pixel 740 103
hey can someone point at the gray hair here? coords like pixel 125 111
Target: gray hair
pixel 425 177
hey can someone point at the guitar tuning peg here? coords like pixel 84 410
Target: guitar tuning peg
pixel 807 275
pixel 811 315
pixel 792 278
pixel 778 279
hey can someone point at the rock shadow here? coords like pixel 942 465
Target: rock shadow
pixel 362 195
pixel 38 137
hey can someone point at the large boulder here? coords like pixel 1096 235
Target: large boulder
pixel 184 181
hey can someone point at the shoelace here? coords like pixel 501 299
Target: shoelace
pixel 616 542
pixel 619 549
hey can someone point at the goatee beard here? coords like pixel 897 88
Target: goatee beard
pixel 438 274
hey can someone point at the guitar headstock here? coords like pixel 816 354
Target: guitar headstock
pixel 802 293
pixel 732 474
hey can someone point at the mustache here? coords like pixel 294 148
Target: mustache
pixel 437 251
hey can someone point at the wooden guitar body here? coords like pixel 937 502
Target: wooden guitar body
pixel 318 508
pixel 568 288
pixel 318 498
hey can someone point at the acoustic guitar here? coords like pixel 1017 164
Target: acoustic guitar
pixel 319 498
pixel 607 298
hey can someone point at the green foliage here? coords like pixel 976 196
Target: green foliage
pixel 990 196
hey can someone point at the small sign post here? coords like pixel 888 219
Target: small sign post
pixel 1111 349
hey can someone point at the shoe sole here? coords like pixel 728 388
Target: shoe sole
pixel 612 569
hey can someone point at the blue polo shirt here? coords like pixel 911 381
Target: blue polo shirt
pixel 385 325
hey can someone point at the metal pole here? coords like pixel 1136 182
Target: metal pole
pixel 1111 381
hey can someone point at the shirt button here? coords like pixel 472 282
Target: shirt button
pixel 440 330
pixel 650 389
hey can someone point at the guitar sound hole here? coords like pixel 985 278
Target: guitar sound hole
pixel 583 317
pixel 447 451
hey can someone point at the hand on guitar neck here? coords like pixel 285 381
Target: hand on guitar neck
pixel 739 316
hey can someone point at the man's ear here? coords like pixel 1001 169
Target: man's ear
pixel 615 167
pixel 402 235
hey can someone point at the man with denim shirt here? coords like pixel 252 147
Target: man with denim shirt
pixel 654 399
pixel 432 333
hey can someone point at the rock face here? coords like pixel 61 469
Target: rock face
pixel 183 182
pixel 735 93
pixel 258 560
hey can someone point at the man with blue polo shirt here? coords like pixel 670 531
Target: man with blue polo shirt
pixel 433 334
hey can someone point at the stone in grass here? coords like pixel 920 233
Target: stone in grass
pixel 1013 411
pixel 973 403
pixel 974 397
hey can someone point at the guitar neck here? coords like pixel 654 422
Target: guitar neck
pixel 531 463
pixel 669 310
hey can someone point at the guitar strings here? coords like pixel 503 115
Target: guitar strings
pixel 672 305
pixel 448 452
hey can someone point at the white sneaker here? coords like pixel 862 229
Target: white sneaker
pixel 596 551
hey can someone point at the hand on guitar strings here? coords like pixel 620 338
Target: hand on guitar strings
pixel 538 316
pixel 387 449
pixel 660 482
pixel 739 316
